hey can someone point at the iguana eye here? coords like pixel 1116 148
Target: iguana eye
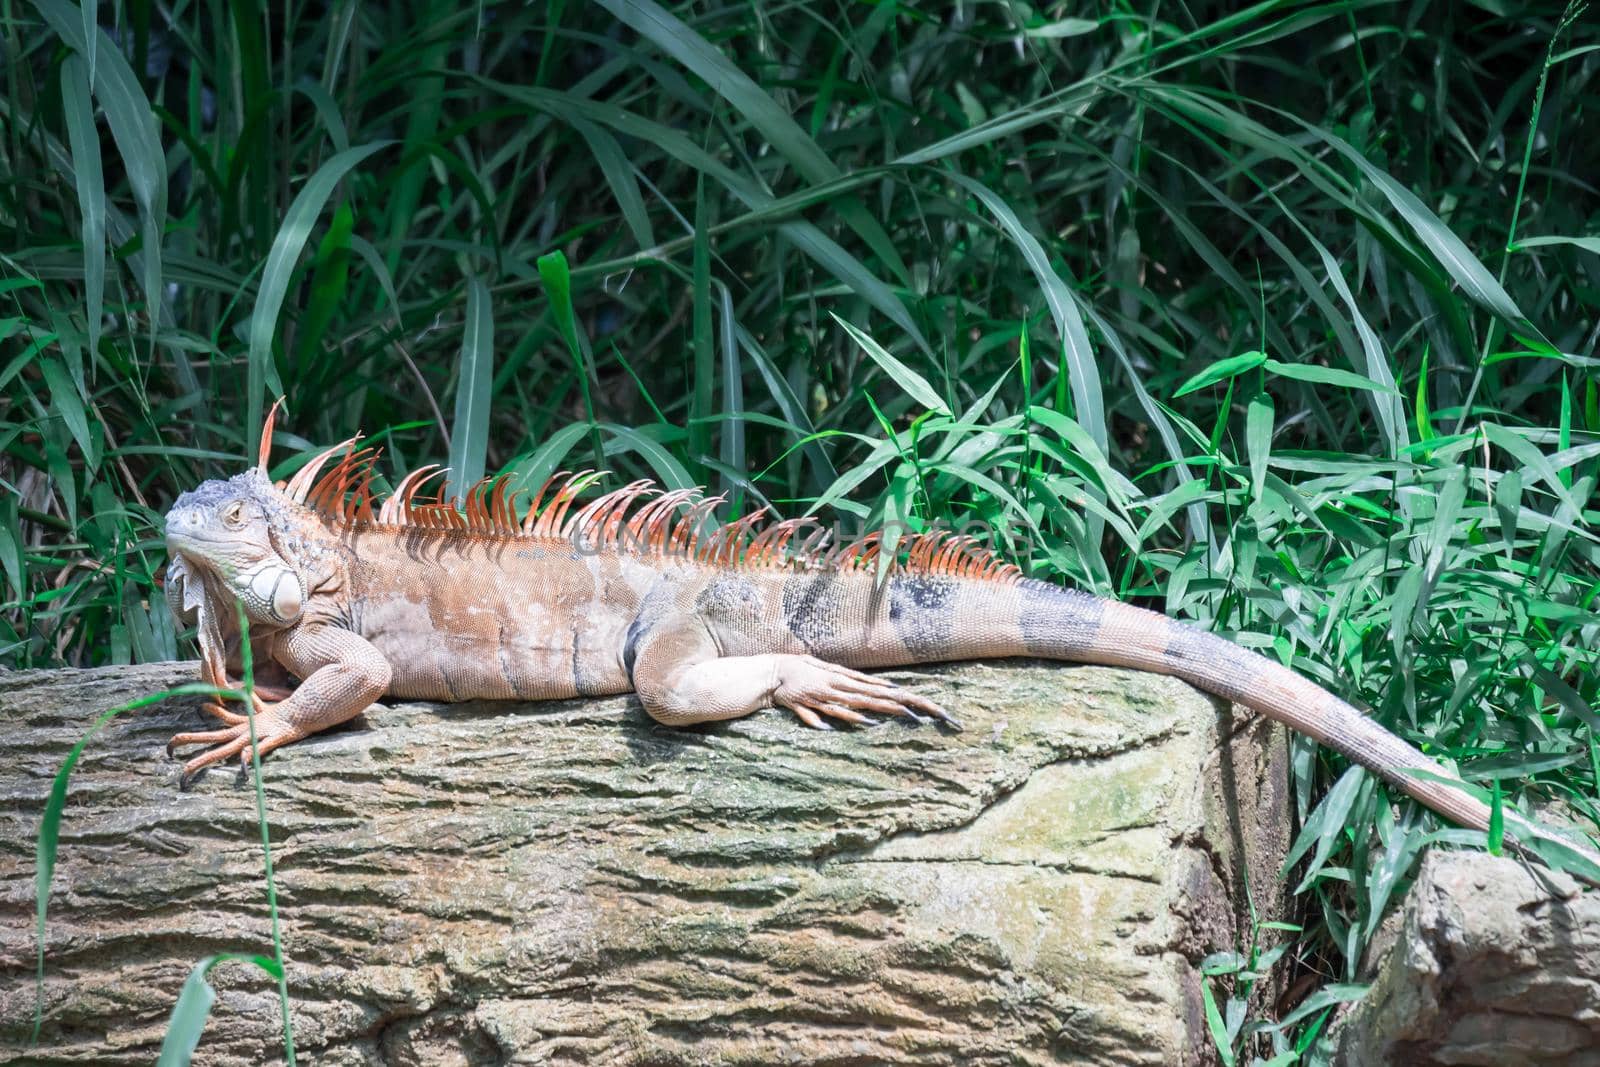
pixel 233 513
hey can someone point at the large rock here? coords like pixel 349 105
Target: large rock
pixel 1489 962
pixel 570 882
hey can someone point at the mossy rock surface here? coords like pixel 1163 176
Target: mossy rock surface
pixel 569 882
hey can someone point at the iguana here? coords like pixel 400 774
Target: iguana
pixel 408 597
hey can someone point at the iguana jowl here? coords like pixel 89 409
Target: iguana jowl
pixel 359 599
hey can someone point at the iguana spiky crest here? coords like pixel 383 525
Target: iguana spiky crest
pixel 639 517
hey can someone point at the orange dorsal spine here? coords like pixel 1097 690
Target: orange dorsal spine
pixel 639 518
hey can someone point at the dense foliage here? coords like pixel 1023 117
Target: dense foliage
pixel 1280 320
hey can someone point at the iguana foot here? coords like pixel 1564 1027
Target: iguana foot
pixel 271 732
pixel 229 718
pixel 814 688
pixel 260 695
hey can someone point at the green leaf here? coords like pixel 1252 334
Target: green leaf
pixel 557 278
pixel 1497 818
pixel 915 385
pixel 1326 823
pixel 845 484
pixel 702 378
pixel 1082 370
pixel 1221 370
pixel 668 470
pixel 1320 375
pixel 1588 244
pixel 1214 1023
pixel 275 277
pixel 754 105
pixel 85 141
pixel 1424 416
pixel 193 1008
pixel 748 99
pixel 1531 459
pixel 619 175
pixel 469 428
pixel 330 277
pixel 732 450
pixel 1390 411
pixel 1452 253
pixel 11 542
pixel 1063 28
pixel 783 395
pixel 133 128
pixel 1328 995
pixel 805 236
pixel 327 110
pixel 1259 420
pixel 532 471
pixel 65 401
pixel 1165 506
pixel 1087 449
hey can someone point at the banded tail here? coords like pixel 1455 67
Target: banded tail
pixel 1038 619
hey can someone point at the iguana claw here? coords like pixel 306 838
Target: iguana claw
pixel 813 688
pixel 271 732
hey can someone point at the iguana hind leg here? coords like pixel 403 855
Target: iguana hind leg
pixel 681 679
pixel 343 675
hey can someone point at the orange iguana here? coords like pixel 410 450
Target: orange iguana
pixel 359 598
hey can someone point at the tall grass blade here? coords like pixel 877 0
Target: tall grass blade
pixel 732 451
pixel 558 283
pixel 915 385
pixel 702 378
pixel 1082 370
pixel 85 141
pixel 133 128
pixel 275 277
pixel 469 428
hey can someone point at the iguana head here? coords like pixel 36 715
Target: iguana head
pixel 226 533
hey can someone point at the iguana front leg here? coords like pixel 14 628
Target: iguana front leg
pixel 343 675
pixel 682 679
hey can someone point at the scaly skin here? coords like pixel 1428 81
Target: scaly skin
pixel 415 601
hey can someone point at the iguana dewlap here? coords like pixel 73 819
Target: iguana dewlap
pixel 417 600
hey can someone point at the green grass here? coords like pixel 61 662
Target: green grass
pixel 1279 320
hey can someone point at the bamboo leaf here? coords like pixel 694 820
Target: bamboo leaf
pixel 619 175
pixel 1452 253
pixel 1326 823
pixel 752 103
pixel 1063 28
pixel 47 840
pixel 805 236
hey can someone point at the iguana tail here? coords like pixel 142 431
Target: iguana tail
pixel 928 617
pixel 1064 624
